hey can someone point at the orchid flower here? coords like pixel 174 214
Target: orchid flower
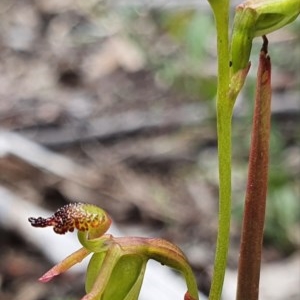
pixel 117 267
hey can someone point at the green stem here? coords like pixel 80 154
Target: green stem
pixel 224 150
pixel 224 116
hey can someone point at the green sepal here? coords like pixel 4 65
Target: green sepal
pixel 242 35
pixel 115 275
pixel 126 279
pixel 94 267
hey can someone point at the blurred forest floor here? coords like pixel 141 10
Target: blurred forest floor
pixel 126 96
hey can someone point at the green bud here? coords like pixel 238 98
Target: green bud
pixel 256 18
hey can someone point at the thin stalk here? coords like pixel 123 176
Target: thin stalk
pixel 224 115
pixel 256 193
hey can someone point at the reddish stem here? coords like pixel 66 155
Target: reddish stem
pixel 255 202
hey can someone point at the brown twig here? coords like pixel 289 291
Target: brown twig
pixel 254 213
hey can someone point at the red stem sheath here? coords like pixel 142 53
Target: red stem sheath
pixel 256 193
